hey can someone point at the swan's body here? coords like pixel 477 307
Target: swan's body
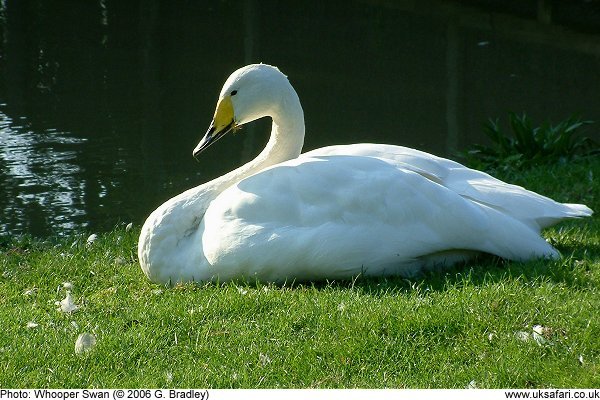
pixel 334 212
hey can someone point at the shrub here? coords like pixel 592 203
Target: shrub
pixel 529 145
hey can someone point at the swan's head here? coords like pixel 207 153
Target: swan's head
pixel 250 93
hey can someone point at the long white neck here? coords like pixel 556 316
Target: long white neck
pixel 170 237
pixel 285 143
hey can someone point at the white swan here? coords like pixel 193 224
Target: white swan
pixel 334 212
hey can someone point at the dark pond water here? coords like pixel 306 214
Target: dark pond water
pixel 102 102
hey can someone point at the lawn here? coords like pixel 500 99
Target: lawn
pixel 488 324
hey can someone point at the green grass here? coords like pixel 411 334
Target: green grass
pixel 445 330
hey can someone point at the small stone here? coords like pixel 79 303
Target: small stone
pixel 85 342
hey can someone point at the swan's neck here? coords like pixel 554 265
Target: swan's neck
pixel 285 143
pixel 170 240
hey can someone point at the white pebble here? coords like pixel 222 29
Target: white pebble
pixel 84 343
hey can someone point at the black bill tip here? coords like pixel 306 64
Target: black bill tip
pixel 211 136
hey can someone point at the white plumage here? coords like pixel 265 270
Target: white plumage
pixel 334 212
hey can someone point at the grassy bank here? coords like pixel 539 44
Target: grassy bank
pixel 488 324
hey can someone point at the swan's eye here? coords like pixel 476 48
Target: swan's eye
pixel 233 93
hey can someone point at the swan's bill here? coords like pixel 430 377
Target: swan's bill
pixel 212 135
pixel 223 122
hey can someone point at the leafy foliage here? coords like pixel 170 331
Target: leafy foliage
pixel 529 145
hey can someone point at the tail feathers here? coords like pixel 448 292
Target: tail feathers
pixel 578 210
pixel 567 211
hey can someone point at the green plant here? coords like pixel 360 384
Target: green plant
pixel 529 145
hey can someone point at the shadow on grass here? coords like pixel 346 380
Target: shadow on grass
pixel 485 270
pixel 573 270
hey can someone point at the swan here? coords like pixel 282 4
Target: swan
pixel 334 212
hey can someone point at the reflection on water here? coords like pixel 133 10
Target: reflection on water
pixel 103 101
pixel 41 179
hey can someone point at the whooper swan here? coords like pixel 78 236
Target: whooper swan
pixel 335 212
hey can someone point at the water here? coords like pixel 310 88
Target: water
pixel 102 102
